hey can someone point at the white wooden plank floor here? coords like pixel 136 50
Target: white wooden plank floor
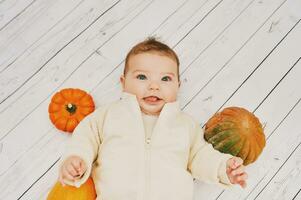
pixel 232 52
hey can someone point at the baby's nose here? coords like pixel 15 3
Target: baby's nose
pixel 154 86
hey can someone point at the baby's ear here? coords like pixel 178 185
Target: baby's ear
pixel 122 81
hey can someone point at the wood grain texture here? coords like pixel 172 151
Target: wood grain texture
pixel 10 10
pixel 232 52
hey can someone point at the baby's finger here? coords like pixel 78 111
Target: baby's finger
pixel 237 162
pixel 238 170
pixel 243 184
pixel 83 166
pixel 233 163
pixel 67 175
pixel 71 170
pixel 76 165
pixel 242 177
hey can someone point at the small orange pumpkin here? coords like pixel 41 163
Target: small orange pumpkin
pixel 68 107
pixel 236 131
pixel 85 192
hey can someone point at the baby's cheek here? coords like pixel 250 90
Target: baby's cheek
pixel 171 96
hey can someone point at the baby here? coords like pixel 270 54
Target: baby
pixel 143 147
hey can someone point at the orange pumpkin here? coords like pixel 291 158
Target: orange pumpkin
pixel 85 192
pixel 236 131
pixel 68 107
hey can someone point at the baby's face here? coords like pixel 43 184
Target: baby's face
pixel 153 79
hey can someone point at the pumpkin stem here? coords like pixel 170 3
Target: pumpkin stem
pixel 71 108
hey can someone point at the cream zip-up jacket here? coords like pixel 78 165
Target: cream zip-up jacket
pixel 125 165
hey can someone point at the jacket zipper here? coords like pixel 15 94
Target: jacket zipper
pixel 147 168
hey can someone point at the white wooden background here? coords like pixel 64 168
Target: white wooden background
pixel 232 52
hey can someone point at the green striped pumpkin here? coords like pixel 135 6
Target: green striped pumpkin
pixel 236 131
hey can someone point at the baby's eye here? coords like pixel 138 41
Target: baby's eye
pixel 141 77
pixel 166 78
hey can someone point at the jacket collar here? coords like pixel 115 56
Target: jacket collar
pixel 169 110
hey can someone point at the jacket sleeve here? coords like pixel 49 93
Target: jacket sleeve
pixel 85 142
pixel 205 163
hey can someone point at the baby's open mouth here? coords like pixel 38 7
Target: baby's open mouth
pixel 151 99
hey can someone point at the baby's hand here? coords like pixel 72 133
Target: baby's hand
pixel 236 171
pixel 73 168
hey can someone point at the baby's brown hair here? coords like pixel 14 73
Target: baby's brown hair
pixel 152 45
